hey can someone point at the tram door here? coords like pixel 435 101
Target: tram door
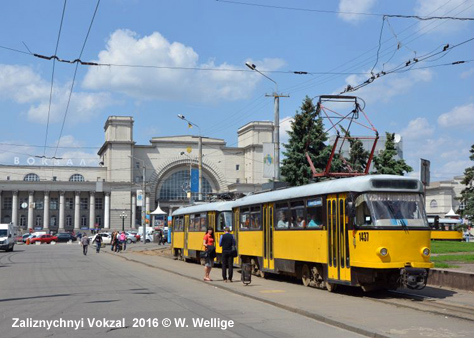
pixel 338 248
pixel 186 231
pixel 268 259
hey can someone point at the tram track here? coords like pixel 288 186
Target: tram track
pixel 424 304
pixel 6 259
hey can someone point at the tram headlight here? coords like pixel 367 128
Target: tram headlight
pixel 382 252
pixel 425 252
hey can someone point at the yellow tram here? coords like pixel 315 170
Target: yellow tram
pixel 367 231
pixel 190 225
pixel 445 229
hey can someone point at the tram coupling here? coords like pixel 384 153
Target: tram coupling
pixel 413 278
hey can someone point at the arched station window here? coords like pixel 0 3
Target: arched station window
pixel 31 178
pixel 177 185
pixel 76 178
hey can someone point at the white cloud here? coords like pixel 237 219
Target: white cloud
pixel 450 169
pixel 125 47
pixel 355 6
pixel 467 74
pixel 22 85
pixel 385 88
pixel 417 129
pixel 72 149
pixel 285 126
pixel 20 152
pixel 460 116
pixel 455 8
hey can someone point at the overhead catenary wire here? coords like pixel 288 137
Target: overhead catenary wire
pixel 52 78
pixel 342 12
pixel 74 77
pixel 446 49
pixel 308 84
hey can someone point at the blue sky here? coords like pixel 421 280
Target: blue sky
pixel 432 108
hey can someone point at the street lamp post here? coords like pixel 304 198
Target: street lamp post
pixel 182 117
pixel 190 171
pixel 143 199
pixel 123 215
pixel 276 123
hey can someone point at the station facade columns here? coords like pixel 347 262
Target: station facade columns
pixel 46 211
pixel 31 195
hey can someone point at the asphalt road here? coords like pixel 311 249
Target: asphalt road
pixel 56 285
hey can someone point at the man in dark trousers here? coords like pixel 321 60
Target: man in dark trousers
pixel 85 243
pixel 227 241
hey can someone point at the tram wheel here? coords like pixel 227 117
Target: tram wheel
pixel 305 275
pixel 331 287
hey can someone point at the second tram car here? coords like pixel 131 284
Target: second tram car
pixel 445 229
pixel 191 223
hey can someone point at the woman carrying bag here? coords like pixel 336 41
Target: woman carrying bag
pixel 210 253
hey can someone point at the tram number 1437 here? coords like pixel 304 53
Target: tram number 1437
pixel 363 236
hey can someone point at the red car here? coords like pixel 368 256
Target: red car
pixel 44 239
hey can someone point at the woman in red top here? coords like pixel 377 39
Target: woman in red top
pixel 208 243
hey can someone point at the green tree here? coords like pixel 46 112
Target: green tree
pixel 385 163
pixel 467 195
pixel 306 129
pixel 358 156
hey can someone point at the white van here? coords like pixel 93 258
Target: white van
pixel 7 236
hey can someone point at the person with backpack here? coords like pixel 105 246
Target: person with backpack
pixel 227 243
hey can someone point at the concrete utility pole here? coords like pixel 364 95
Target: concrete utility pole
pixel 190 124
pixel 276 123
pixel 143 198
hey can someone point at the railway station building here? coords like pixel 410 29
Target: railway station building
pixel 67 194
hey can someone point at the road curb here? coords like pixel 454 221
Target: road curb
pixel 319 318
pixel 451 279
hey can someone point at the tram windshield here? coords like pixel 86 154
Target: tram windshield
pixel 390 209
pixel 224 220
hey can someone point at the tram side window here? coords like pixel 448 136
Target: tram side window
pixel 255 219
pixel 297 220
pixel 177 224
pixel 314 213
pixel 220 226
pixel 363 214
pixel 282 216
pixel 197 223
pixel 180 223
pixel 245 219
pixel 191 223
pixel 203 221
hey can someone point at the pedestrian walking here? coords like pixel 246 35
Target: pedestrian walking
pixel 160 236
pixel 113 242
pixel 85 243
pixel 227 243
pixel 210 252
pixel 123 240
pixel 98 242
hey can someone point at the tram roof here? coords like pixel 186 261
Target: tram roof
pixel 194 209
pixel 387 183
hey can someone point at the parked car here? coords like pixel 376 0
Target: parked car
pixel 44 239
pixel 28 236
pixel 106 238
pixel 131 238
pixel 136 234
pixel 65 237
